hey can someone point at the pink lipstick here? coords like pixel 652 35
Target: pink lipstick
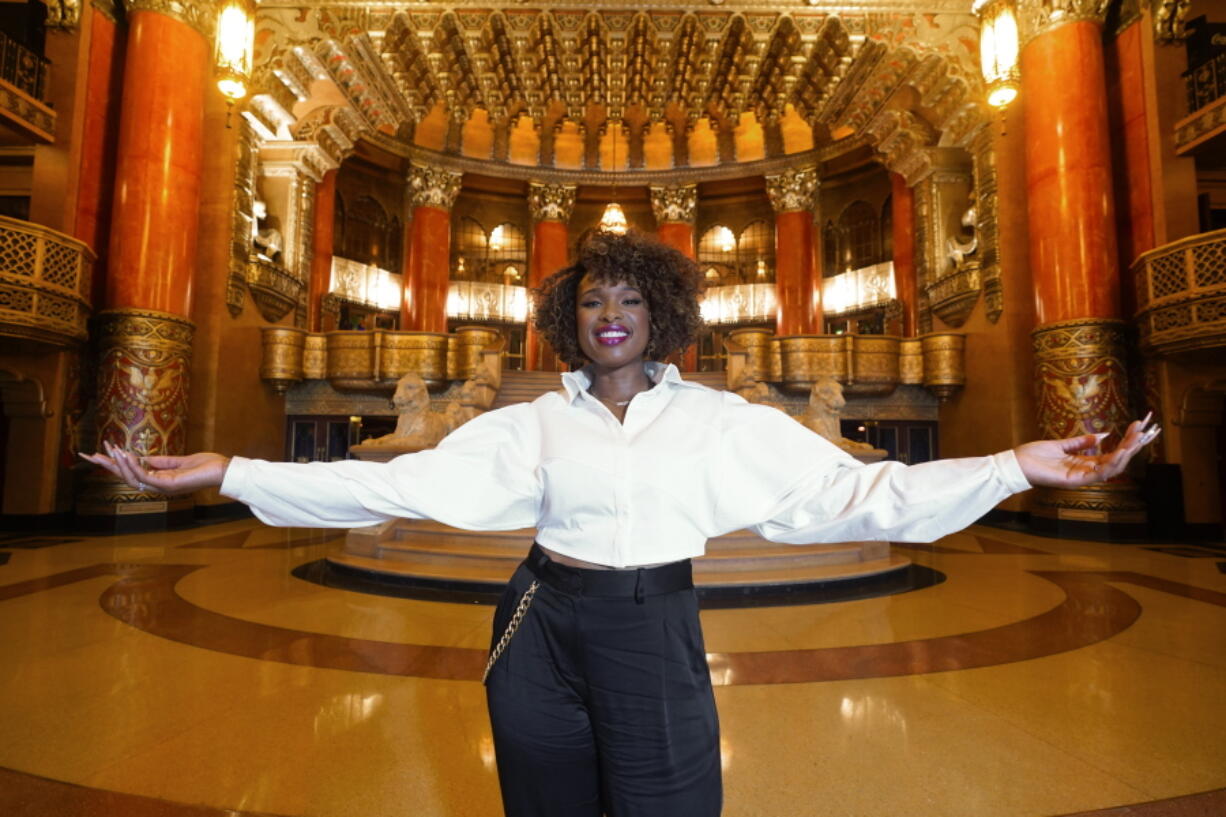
pixel 612 334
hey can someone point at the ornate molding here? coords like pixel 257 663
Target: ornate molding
pixel 551 202
pixel 676 204
pixel 987 232
pixel 1081 379
pixel 199 14
pixel 1036 17
pixel 65 14
pixel 274 289
pixel 1168 20
pixel 433 186
pixel 793 190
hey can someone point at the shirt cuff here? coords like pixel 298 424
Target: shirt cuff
pixel 234 483
pixel 1011 472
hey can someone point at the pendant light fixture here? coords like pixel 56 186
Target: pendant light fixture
pixel 614 218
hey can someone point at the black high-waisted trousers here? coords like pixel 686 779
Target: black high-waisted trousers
pixel 602 703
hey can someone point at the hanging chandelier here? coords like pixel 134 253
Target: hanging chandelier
pixel 614 218
pixel 998 50
pixel 232 50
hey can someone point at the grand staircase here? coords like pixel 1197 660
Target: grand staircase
pixel 432 555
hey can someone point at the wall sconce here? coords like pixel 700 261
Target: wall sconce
pixel 998 47
pixel 232 54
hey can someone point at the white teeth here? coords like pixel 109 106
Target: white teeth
pixel 613 334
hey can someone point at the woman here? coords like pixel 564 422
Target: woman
pixel 598 690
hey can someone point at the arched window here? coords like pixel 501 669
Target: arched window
pixel 468 250
pixel 861 236
pixel 887 230
pixel 365 234
pixel 508 255
pixel 756 253
pixel 717 256
pixel 830 250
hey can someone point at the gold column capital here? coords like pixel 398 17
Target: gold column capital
pixel 675 204
pixel 201 15
pixel 1036 17
pixel 793 190
pixel 433 186
pixel 551 202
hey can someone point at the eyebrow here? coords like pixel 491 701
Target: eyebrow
pixel 590 290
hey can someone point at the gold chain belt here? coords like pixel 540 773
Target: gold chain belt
pixel 525 601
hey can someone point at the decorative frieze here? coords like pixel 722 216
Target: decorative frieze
pixel 1036 17
pixel 551 202
pixel 199 14
pixel 675 204
pixel 793 190
pixel 433 187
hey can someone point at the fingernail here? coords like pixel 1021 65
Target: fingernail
pixel 1102 436
pixel 1145 422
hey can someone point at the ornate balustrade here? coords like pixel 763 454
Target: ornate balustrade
pixel 44 283
pixel 274 289
pixel 23 81
pixel 373 361
pixel 1181 294
pixel 868 365
pixel 739 303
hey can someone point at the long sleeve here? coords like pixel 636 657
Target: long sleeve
pixel 789 485
pixel 482 476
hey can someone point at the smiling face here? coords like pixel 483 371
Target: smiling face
pixel 612 323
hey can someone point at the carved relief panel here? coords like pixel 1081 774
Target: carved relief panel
pixel 948 259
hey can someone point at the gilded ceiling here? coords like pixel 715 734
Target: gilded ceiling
pixel 645 87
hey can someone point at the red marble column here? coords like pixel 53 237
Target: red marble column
pixel 797 283
pixel 550 206
pixel 902 220
pixel 144 334
pixel 1081 381
pixel 423 305
pixel 675 208
pixel 321 255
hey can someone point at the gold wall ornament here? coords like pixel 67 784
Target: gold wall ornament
pixel 63 14
pixel 944 356
pixel 987 229
pixel 471 340
pixel 1169 21
pixel 793 190
pixel 950 285
pixel 433 187
pixel 551 202
pixel 315 356
pixel 273 288
pixel 282 362
pixel 911 362
pixel 420 353
pixel 1081 381
pixel 199 14
pixel 674 204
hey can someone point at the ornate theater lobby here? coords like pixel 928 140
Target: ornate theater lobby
pixel 193 673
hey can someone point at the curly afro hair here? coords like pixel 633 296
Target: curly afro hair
pixel 669 282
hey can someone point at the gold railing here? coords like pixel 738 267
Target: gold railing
pixel 1181 294
pixel 868 365
pixel 44 283
pixel 374 361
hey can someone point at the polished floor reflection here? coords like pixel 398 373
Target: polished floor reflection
pixel 192 674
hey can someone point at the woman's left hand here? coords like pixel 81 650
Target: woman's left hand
pixel 1059 463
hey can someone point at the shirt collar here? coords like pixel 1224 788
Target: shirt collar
pixel 665 375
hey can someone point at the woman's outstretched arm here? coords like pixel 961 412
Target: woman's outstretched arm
pixel 789 485
pixel 483 476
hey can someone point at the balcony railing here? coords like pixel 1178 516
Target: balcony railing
pixel 44 283
pixel 1181 294
pixel 1206 83
pixel 23 88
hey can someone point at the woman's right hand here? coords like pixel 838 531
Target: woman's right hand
pixel 162 473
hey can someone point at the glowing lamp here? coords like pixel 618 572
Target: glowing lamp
pixel 998 47
pixel 614 219
pixel 232 55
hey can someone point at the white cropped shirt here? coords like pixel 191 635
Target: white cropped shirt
pixel 688 463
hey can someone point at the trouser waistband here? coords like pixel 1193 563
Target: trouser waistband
pixel 633 583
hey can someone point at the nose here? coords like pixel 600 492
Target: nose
pixel 611 312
